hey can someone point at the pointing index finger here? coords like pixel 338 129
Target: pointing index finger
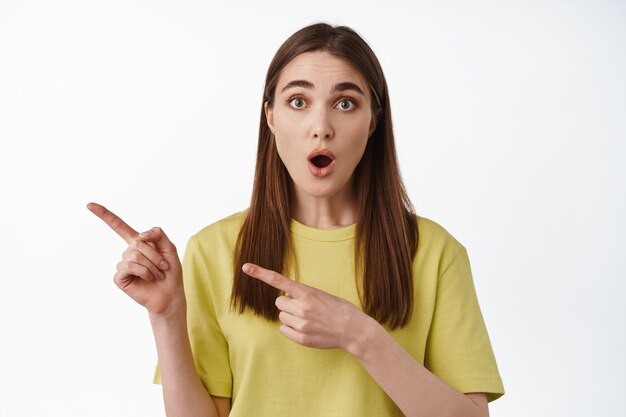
pixel 274 279
pixel 118 225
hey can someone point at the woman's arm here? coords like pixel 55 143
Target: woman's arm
pixel 150 273
pixel 314 318
pixel 183 392
pixel 399 374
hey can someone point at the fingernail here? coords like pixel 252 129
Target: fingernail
pixel 164 264
pixel 247 268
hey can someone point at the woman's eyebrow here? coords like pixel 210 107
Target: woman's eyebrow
pixel 336 88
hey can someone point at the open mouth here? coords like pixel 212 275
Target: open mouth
pixel 321 161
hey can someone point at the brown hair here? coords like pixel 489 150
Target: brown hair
pixel 386 226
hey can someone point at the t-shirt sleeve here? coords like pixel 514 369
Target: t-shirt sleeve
pixel 208 344
pixel 458 349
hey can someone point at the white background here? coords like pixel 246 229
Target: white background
pixel 509 121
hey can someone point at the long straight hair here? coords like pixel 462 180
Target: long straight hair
pixel 386 226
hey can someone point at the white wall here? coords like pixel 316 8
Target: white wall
pixel 509 118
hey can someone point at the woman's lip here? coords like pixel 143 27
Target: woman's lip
pixel 321 172
pixel 325 152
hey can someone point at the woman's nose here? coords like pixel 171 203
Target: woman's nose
pixel 321 125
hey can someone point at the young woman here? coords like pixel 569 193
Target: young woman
pixel 328 296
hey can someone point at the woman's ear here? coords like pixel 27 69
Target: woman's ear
pixel 269 116
pixel 374 122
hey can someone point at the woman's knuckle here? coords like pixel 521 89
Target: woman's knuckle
pixel 282 316
pixel 304 325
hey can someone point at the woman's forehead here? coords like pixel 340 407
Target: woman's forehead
pixel 321 69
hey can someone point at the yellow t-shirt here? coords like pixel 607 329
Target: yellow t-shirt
pixel 245 357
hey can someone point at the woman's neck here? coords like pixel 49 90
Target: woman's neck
pixel 331 212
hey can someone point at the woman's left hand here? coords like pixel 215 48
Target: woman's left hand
pixel 312 317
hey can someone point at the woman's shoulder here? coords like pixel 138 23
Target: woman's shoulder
pixel 225 228
pixel 433 237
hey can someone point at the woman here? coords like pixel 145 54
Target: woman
pixel 358 306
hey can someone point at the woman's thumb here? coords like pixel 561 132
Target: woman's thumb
pixel 157 236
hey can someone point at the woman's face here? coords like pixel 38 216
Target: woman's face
pixel 321 103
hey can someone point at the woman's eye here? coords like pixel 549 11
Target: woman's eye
pixel 346 104
pixel 300 103
pixel 297 102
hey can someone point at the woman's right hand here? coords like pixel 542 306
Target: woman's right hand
pixel 150 271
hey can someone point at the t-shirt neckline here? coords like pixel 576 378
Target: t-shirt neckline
pixel 324 235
